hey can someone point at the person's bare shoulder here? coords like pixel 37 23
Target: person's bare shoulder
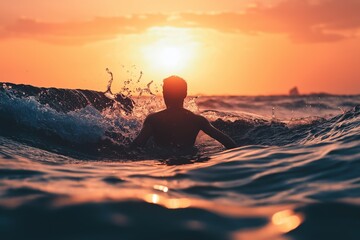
pixel 149 120
pixel 199 117
pixel 201 120
pixel 153 116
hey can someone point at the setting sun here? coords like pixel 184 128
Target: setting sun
pixel 170 57
pixel 172 51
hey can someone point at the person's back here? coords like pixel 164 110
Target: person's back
pixel 176 126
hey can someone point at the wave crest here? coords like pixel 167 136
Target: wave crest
pixel 89 121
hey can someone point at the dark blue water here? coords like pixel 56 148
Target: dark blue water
pixel 66 173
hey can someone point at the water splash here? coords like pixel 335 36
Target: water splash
pixel 132 87
pixel 190 104
pixel 343 111
pixel 146 90
pixel 6 87
pixel 273 116
pixel 108 89
pixel 144 98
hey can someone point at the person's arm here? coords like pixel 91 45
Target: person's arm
pixel 213 132
pixel 144 135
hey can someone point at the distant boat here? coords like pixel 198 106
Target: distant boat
pixel 294 92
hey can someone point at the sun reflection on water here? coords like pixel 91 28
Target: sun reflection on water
pixel 171 203
pixel 286 220
pixel 161 188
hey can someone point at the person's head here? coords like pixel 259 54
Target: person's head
pixel 174 91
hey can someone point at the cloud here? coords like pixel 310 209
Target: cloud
pixel 99 28
pixel 301 20
pixel 306 21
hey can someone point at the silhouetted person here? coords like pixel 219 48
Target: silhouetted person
pixel 177 127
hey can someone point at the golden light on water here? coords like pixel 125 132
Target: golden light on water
pixel 171 203
pixel 161 188
pixel 286 220
pixel 152 198
pixel 175 203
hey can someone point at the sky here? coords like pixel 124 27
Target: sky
pixel 227 47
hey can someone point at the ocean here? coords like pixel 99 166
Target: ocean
pixel 66 171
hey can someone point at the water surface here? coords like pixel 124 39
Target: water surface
pixel 67 173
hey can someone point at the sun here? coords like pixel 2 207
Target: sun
pixel 168 57
pixel 172 53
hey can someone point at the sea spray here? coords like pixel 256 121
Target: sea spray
pixel 112 120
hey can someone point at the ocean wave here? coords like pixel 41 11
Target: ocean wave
pixel 303 104
pixel 66 100
pixel 90 122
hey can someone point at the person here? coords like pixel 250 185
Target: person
pixel 177 127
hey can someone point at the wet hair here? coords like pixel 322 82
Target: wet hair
pixel 175 87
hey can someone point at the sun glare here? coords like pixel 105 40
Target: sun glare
pixel 169 57
pixel 172 52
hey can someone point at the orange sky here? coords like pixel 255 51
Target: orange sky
pixel 219 47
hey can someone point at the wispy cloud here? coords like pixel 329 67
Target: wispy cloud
pixel 80 32
pixel 302 20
